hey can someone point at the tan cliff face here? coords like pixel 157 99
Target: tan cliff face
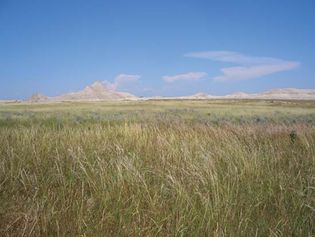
pixel 201 95
pixel 37 97
pixel 238 95
pixel 286 93
pixel 95 92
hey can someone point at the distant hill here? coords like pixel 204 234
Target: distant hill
pixel 200 96
pixel 285 94
pixel 37 97
pixel 288 93
pixel 98 91
pixel 95 92
pixel 238 95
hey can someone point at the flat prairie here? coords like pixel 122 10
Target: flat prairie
pixel 158 168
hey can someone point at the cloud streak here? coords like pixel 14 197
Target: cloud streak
pixel 190 76
pixel 242 73
pixel 121 80
pixel 249 67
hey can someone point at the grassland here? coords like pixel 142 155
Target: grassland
pixel 158 168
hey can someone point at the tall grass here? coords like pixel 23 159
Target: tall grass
pixel 156 178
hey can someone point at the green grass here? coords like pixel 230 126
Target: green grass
pixel 158 168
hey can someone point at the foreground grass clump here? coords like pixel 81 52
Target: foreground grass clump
pixel 171 177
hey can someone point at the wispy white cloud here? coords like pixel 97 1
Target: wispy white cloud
pixel 250 72
pixel 121 80
pixel 233 57
pixel 185 76
pixel 250 67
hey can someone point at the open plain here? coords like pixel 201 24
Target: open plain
pixel 158 168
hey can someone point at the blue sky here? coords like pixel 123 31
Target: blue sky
pixel 156 47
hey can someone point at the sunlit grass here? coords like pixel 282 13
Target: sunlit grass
pixel 157 169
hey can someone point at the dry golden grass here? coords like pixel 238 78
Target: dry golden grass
pixel 168 173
